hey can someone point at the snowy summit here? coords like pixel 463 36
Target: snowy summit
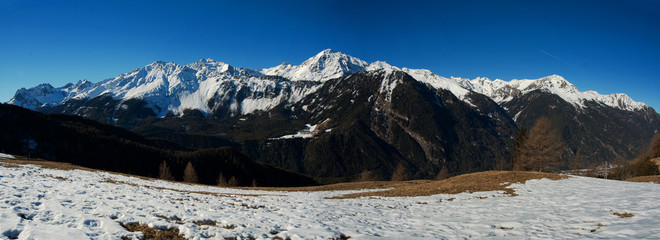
pixel 168 87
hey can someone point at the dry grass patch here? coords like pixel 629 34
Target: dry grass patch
pixel 45 164
pixel 473 182
pixel 174 219
pixel 56 178
pixel 653 179
pixel 624 214
pixel 8 165
pixel 335 187
pixel 598 227
pixel 206 223
pixel 229 226
pixel 153 233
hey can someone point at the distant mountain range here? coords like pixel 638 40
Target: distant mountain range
pixel 335 115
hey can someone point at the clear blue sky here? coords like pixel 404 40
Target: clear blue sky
pixel 606 46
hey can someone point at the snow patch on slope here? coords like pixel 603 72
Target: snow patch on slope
pixel 438 82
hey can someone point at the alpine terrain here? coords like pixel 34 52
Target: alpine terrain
pixel 337 116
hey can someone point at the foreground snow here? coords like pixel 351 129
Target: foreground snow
pixel 38 203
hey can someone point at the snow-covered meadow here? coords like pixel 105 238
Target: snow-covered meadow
pixel 40 203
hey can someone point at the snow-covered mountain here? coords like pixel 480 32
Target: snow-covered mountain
pixel 325 65
pixel 504 91
pixel 211 86
pixel 413 115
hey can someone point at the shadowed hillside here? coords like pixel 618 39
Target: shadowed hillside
pixel 84 142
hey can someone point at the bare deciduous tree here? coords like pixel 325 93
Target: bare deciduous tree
pixel 399 173
pixel 366 175
pixel 189 174
pixel 231 182
pixel 443 174
pixel 164 172
pixel 540 150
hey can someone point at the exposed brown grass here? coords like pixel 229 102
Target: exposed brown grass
pixel 474 182
pixel 45 164
pixel 624 214
pixel 653 179
pixel 173 219
pixel 8 165
pixel 153 233
pixel 205 223
pixel 230 226
pixel 56 178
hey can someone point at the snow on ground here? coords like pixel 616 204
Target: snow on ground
pixel 39 203
pixel 4 155
pixel 308 132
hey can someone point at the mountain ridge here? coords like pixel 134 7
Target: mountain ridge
pixel 163 85
pixel 318 117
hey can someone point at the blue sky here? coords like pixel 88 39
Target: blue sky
pixel 606 46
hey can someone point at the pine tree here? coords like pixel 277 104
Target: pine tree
pixel 189 174
pixel 164 172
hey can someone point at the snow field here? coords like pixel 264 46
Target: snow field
pixel 39 203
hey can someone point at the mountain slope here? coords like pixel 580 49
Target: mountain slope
pixel 371 121
pixel 87 143
pixel 210 104
pixel 594 133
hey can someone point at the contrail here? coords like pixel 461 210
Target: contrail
pixel 559 59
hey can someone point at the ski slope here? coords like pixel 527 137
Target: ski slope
pixel 40 203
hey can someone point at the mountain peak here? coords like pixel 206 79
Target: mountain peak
pixel 503 91
pixel 326 51
pixel 325 65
